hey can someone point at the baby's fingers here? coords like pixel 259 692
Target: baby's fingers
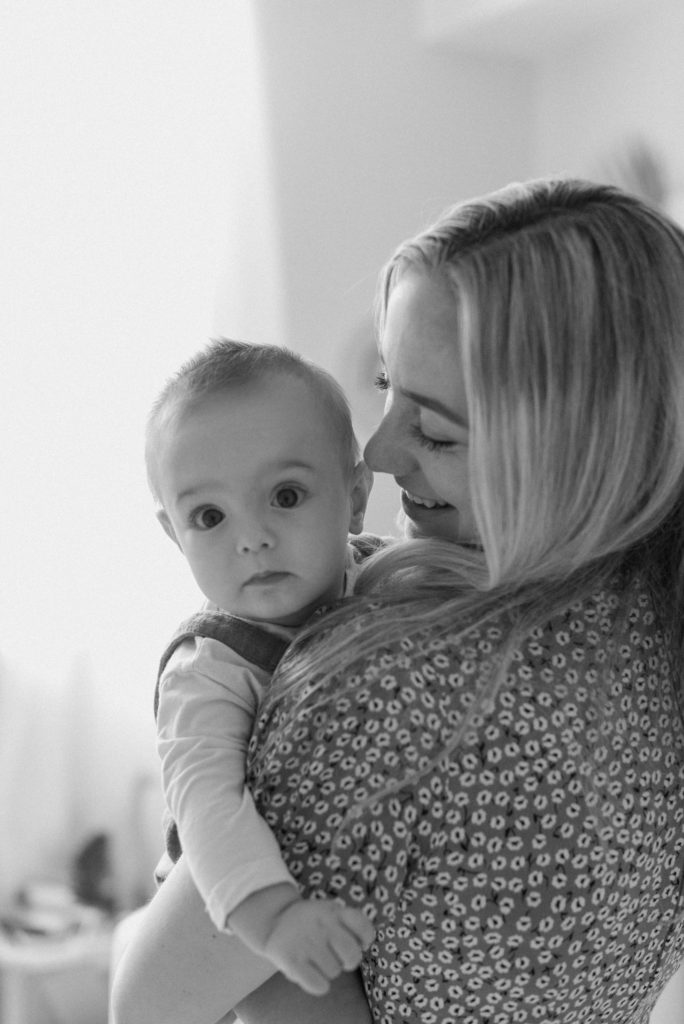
pixel 346 948
pixel 314 974
pixel 358 924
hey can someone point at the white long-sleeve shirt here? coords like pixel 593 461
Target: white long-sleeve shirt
pixel 208 700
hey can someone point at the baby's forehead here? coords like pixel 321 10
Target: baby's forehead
pixel 283 397
pixel 286 395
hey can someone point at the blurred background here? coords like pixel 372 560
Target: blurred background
pixel 174 171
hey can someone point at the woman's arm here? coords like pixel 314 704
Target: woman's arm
pixel 278 1001
pixel 177 969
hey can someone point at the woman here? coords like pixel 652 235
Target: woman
pixel 485 752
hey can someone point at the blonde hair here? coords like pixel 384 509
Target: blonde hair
pixel 571 302
pixel 571 308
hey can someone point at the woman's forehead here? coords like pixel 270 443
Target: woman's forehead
pixel 421 336
pixel 420 302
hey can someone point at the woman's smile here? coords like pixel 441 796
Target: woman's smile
pixel 423 437
pixel 424 502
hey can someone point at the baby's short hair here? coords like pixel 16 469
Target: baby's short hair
pixel 225 363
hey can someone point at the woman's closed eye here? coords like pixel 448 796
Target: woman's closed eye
pixel 432 444
pixel 426 440
pixel 206 518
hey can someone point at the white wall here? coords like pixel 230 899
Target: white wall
pixel 372 134
pixel 622 82
pixel 125 128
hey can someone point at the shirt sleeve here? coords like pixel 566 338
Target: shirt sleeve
pixel 208 698
pixel 327 788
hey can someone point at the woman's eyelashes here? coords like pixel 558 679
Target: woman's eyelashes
pixel 431 443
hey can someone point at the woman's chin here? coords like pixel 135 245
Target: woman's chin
pixel 418 522
pixel 421 522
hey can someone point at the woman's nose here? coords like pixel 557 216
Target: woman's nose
pixel 386 451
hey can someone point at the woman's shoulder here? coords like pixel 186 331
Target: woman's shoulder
pixel 613 621
pixel 621 612
pixel 417 694
pixel 613 629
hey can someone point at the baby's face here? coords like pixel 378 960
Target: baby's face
pixel 254 490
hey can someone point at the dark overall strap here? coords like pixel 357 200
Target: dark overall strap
pixel 251 642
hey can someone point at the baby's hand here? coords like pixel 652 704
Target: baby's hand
pixel 313 941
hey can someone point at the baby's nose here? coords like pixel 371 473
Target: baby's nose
pixel 253 536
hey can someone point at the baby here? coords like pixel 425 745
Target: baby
pixel 253 463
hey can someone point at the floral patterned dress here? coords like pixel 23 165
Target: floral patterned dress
pixel 536 873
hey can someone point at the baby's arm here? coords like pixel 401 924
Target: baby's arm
pixel 206 709
pixel 310 941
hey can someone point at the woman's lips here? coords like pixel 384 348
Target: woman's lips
pixel 416 501
pixel 429 518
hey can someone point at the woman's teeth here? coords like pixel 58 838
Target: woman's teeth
pixel 425 502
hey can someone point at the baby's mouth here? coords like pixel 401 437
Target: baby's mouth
pixel 266 577
pixel 429 503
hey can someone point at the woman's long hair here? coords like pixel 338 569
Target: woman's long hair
pixel 571 308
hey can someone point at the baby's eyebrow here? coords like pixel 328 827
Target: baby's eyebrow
pixel 189 492
pixel 278 465
pixel 436 406
pixel 297 464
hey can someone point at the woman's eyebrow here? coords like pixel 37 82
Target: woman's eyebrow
pixel 436 406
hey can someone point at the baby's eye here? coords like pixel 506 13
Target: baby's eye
pixel 381 382
pixel 287 497
pixel 207 518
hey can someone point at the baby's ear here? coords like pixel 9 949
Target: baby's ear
pixel 167 525
pixel 361 483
